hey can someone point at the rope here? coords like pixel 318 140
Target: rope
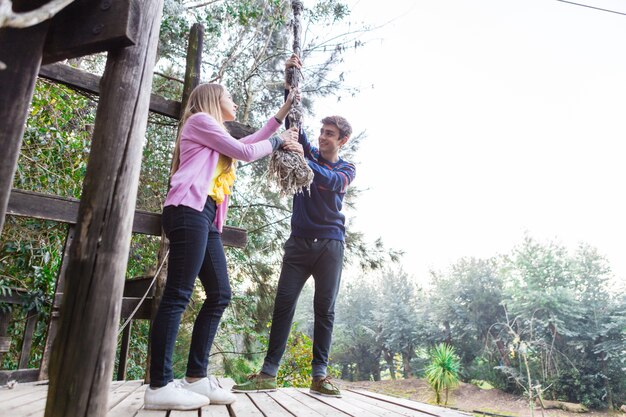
pixel 290 170
pixel 145 295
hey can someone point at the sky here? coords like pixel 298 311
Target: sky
pixel 488 120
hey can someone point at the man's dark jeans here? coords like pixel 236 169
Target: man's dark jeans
pixel 195 251
pixel 323 259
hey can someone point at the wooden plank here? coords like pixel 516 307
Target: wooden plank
pixel 413 405
pixel 123 389
pixel 268 405
pixel 27 340
pixel 244 407
pixel 130 403
pixel 86 27
pixel 137 287
pixel 292 405
pixel 90 83
pixel 20 51
pixel 375 409
pixel 82 357
pixel 211 411
pixel 208 411
pixel 32 402
pixel 61 209
pixel 127 307
pixel 34 409
pixel 398 409
pixel 19 390
pixel 319 406
pixel 16 296
pixel 19 375
pixel 152 413
pixel 339 404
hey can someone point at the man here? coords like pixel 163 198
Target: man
pixel 315 248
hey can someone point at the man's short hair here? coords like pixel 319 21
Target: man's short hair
pixel 341 123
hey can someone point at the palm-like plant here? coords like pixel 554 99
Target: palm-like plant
pixel 443 372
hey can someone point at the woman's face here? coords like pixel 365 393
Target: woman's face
pixel 229 108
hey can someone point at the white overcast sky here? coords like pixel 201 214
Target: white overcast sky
pixel 486 120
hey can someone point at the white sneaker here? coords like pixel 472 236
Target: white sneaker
pixel 173 397
pixel 209 387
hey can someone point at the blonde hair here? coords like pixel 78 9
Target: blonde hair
pixel 204 98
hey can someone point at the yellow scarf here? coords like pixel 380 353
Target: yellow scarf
pixel 223 179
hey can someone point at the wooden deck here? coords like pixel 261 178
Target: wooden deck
pixel 126 400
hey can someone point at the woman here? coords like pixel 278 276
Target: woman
pixel 193 215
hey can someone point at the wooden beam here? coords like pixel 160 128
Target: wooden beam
pixel 21 375
pixel 20 51
pixel 90 83
pixel 87 27
pixel 128 306
pixel 81 363
pixel 65 210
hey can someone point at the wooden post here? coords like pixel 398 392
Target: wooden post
pixel 27 342
pixel 53 323
pixel 125 345
pixel 193 72
pixel 20 51
pixel 81 362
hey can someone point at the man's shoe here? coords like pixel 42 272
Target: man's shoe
pixel 257 383
pixel 323 386
pixel 210 388
pixel 173 397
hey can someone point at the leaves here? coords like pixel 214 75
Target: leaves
pixel 443 372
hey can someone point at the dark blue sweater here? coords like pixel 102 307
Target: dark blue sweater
pixel 318 215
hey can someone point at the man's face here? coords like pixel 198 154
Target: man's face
pixel 329 140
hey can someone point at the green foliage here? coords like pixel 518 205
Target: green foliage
pixel 585 386
pixel 239 368
pixel 295 369
pixel 443 372
pixel 356 345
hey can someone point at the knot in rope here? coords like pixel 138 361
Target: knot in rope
pixel 290 172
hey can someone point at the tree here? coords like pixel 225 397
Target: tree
pixel 397 314
pixel 564 314
pixel 443 372
pixel 355 347
pixel 466 301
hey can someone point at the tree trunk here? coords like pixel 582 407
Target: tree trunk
pixel 406 364
pixel 388 355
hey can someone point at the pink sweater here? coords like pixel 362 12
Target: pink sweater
pixel 201 143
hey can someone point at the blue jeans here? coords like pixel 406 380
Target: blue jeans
pixel 323 259
pixel 195 251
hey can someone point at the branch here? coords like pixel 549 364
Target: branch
pixel 201 4
pixel 10 19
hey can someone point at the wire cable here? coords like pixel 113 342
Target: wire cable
pixel 592 7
